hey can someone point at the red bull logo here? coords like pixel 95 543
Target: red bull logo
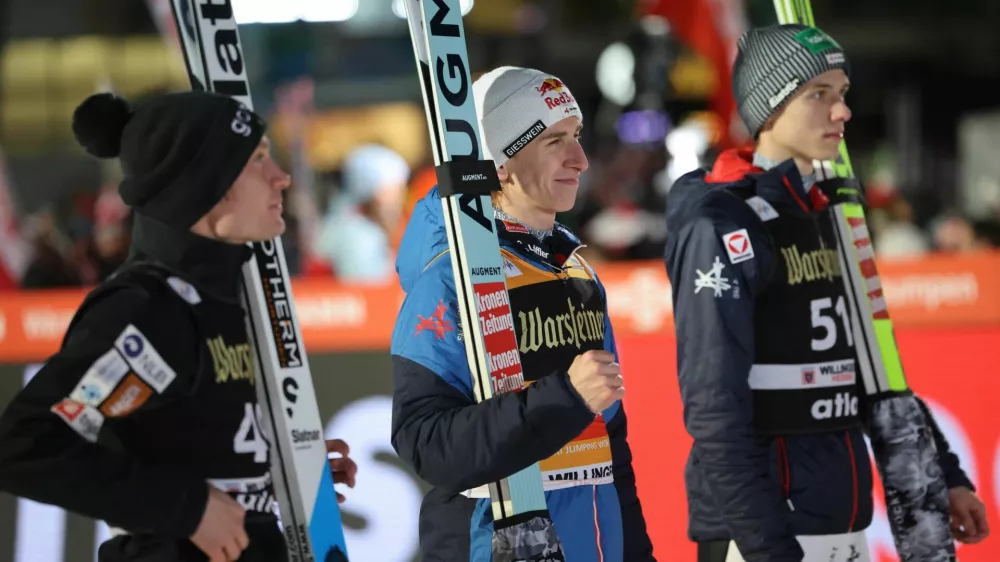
pixel 550 86
pixel 555 94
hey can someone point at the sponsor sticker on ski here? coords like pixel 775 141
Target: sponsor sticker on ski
pixel 82 418
pixel 497 327
pixel 738 246
pixel 144 359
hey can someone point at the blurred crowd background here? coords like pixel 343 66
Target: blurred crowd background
pixel 337 81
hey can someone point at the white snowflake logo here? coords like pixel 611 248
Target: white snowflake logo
pixel 713 279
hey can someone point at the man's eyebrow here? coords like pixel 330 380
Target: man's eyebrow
pixel 828 86
pixel 555 135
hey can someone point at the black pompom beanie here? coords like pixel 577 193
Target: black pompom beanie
pixel 180 152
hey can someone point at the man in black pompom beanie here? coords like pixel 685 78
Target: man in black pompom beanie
pixel 147 417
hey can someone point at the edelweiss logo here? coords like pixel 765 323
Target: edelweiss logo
pixel 436 323
pixel 713 279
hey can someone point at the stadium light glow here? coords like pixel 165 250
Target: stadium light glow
pixel 286 11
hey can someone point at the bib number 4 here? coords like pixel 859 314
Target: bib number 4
pixel 249 438
pixel 823 314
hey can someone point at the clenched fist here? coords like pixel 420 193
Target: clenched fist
pixel 597 378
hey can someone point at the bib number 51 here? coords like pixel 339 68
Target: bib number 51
pixel 823 318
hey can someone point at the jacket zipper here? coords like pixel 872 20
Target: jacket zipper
pixel 785 472
pixel 597 530
pixel 854 479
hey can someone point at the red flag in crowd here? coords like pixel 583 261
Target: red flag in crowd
pixel 711 28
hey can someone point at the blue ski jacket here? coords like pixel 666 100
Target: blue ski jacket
pixel 759 491
pixel 459 446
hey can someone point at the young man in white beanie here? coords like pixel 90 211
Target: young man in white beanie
pixel 569 415
pixel 779 470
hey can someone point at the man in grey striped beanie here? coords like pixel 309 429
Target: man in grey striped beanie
pixel 789 82
pixel 778 468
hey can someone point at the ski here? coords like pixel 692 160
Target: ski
pixel 902 442
pixel 523 528
pixel 307 501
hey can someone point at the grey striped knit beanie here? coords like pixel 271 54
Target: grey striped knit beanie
pixel 774 62
pixel 515 105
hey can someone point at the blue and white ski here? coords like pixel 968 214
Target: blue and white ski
pixel 523 528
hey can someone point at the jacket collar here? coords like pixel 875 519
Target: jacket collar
pixel 782 183
pixel 210 265
pixel 554 251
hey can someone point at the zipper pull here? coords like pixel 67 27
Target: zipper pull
pixel 789 502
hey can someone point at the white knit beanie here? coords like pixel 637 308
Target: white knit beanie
pixel 515 105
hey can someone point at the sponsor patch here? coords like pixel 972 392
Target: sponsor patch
pixel 835 58
pixel 738 246
pixel 714 280
pixel 144 359
pixel 815 40
pixel 436 323
pixel 763 209
pixel 524 138
pixel 782 94
pixel 129 396
pixel 509 269
pixel 241 122
pixel 184 289
pixel 82 418
pixel 515 227
pixel 100 379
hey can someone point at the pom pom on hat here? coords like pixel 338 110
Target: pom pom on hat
pixel 98 124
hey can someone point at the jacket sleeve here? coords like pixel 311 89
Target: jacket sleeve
pixel 439 430
pixel 637 545
pixel 954 476
pixel 120 359
pixel 714 325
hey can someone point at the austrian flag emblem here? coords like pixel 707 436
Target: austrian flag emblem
pixel 738 246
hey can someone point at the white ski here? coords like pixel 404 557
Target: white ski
pixel 307 501
pixel 523 528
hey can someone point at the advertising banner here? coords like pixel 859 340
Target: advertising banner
pixel 953 370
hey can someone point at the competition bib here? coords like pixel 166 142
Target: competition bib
pixel 585 460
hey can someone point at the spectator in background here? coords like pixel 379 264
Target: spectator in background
pixel 897 236
pixel 112 232
pixel 48 267
pixel 361 221
pixel 953 234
